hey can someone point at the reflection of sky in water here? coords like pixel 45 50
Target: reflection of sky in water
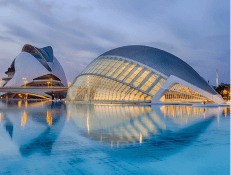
pixel 78 138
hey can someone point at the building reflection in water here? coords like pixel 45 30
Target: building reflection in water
pixel 41 125
pixel 120 124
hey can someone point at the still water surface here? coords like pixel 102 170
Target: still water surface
pixel 59 138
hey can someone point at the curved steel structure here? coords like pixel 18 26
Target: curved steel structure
pixel 141 74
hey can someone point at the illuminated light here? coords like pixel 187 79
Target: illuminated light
pixel 68 116
pixel 23 120
pixel 141 138
pixel 0 83
pixel 69 84
pixel 49 119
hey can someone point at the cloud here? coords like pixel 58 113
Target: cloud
pixel 3 38
pixel 195 31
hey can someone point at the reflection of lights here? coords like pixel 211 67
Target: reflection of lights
pixel 141 138
pixel 88 128
pixel 26 104
pixel 225 111
pixel 68 116
pixel 49 119
pixel 23 120
pixel 19 104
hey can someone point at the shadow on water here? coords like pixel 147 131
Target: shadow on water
pixel 137 132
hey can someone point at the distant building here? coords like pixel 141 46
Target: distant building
pixel 34 67
pixel 224 91
pixel 141 74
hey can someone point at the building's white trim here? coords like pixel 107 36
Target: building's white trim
pixel 173 79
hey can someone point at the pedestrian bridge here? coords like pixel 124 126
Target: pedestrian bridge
pixel 36 91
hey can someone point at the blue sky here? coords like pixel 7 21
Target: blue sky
pixel 196 31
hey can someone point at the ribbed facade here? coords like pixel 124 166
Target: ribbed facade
pixel 141 74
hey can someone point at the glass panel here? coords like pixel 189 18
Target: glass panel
pixel 103 65
pixel 120 69
pixel 141 78
pixel 112 62
pixel 132 95
pixel 90 66
pixel 149 82
pixel 157 86
pixel 95 68
pixel 137 97
pixel 131 77
pixel 118 63
pixel 93 87
pixel 126 72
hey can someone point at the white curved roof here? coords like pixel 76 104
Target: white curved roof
pixel 33 62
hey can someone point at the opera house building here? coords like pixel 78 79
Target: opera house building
pixel 141 74
pixel 34 67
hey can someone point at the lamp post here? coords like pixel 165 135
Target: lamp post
pixel 0 83
pixel 24 80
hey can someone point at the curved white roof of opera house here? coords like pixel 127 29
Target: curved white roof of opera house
pixel 33 63
pixel 153 75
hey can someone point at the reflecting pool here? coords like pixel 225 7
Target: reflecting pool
pixel 68 138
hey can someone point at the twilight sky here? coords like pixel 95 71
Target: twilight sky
pixel 196 31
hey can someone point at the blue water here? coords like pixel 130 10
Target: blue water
pixel 60 138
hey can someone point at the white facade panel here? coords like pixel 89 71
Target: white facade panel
pixel 27 68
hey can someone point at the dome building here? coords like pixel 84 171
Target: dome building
pixel 35 67
pixel 141 74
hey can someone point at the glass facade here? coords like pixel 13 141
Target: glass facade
pixel 98 88
pixel 180 93
pixel 115 79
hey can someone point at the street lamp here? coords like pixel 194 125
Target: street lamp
pixel 48 83
pixel 0 83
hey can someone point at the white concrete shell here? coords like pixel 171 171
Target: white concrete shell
pixel 28 67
